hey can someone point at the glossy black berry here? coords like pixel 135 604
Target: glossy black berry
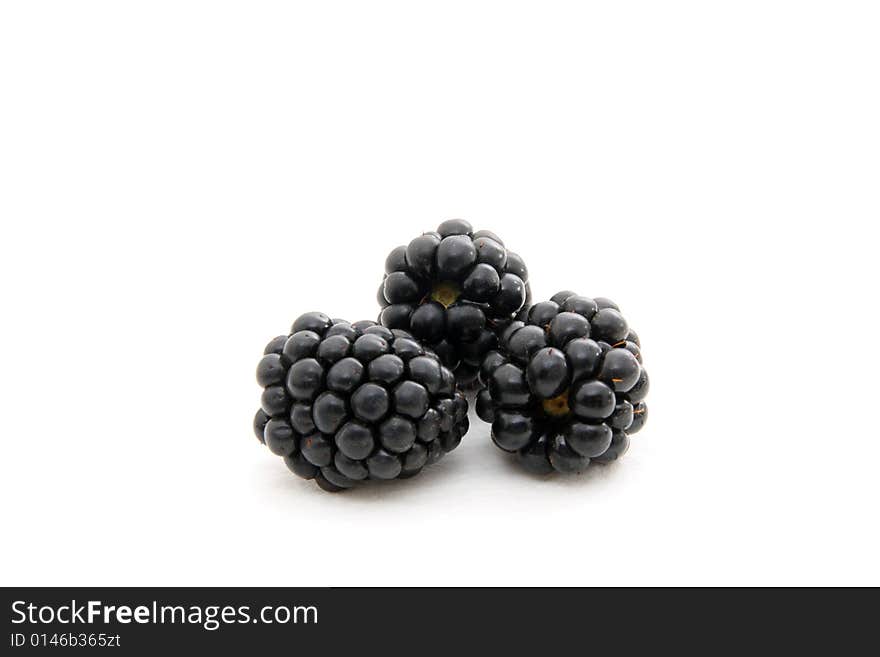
pixel 355 440
pixel 400 287
pixel 411 399
pixel 483 283
pixel 368 347
pixel 541 314
pixel 428 426
pixel 279 437
pixel 524 343
pixel 623 415
pixel 512 430
pixel 454 227
pixel 317 449
pixel 299 466
pixel 533 457
pixel 512 293
pixel 565 385
pixel 609 325
pixel 305 379
pixel 484 407
pixel 350 468
pixel 584 357
pixel 456 256
pixel 589 440
pixel 275 345
pixel 428 322
pixel 345 375
pixel 333 349
pixel 301 419
pixel 583 306
pixel 384 465
pixel 640 416
pixel 620 370
pixel 508 387
pixel 547 373
pixel 414 460
pixel 640 390
pixel 315 322
pixel 387 369
pixel 592 400
pixel 455 290
pixel 370 402
pixel 270 370
pixel 421 256
pixel 563 458
pixel 397 434
pixel 618 447
pixel 260 420
pixel 329 412
pixel 426 371
pixel 301 344
pixel 560 297
pixel 332 480
pixel 346 402
pixel 464 323
pixel 567 326
pixel 275 400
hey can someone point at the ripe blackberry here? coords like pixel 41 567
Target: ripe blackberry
pixel 566 385
pixel 454 289
pixel 346 402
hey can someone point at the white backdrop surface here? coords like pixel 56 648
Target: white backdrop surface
pixel 180 180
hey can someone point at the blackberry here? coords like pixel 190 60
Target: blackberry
pixel 454 289
pixel 566 386
pixel 346 402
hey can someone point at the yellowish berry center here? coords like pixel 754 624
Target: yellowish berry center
pixel 445 293
pixel 557 406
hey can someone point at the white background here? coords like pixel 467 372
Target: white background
pixel 180 180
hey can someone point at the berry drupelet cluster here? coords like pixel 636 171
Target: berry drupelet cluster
pixel 454 290
pixel 561 382
pixel 566 386
pixel 346 402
